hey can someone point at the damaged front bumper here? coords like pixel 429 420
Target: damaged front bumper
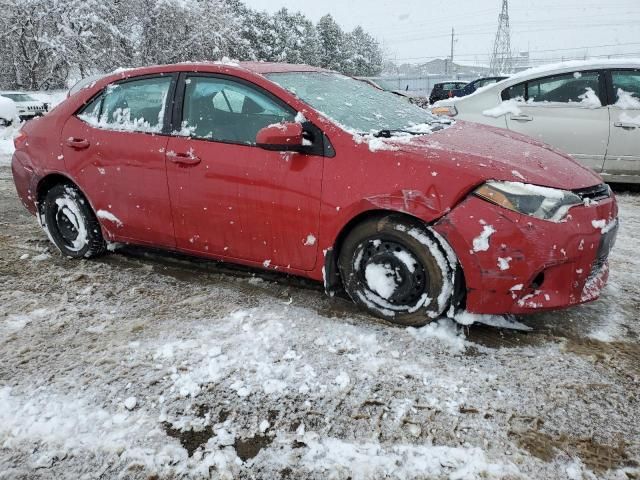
pixel 530 264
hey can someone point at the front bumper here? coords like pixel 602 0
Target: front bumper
pixel 531 264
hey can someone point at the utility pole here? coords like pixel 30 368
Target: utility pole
pixel 501 59
pixel 451 58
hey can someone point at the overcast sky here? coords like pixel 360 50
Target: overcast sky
pixel 419 30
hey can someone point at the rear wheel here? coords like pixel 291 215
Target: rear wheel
pixel 70 223
pixel 395 268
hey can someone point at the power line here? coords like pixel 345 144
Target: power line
pixel 587 47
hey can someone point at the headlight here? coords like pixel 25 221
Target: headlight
pixel 541 202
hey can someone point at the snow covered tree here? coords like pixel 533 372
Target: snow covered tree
pixel 49 43
pixel 332 43
pixel 364 56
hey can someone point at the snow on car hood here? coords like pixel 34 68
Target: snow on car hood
pixel 493 153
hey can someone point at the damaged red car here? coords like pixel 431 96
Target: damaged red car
pixel 312 173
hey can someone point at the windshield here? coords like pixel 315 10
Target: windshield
pixel 18 97
pixel 355 105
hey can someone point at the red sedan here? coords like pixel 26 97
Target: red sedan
pixel 309 172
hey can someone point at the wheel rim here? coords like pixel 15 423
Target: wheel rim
pixel 406 279
pixel 67 225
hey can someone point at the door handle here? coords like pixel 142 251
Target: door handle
pixel 627 126
pixel 77 143
pixel 184 158
pixel 522 117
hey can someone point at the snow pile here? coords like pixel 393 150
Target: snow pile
pixel 590 99
pixel 507 106
pixel 381 279
pixel 338 458
pixel 627 101
pixel 8 109
pixel 444 331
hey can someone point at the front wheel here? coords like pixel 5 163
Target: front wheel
pixel 395 268
pixel 70 223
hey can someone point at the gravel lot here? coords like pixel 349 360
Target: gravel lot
pixel 148 365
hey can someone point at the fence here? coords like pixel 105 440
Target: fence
pixel 421 85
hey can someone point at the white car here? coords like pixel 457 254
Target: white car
pixel 589 109
pixel 28 107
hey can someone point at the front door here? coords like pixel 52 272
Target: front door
pixel 114 152
pixel 566 111
pixel 623 155
pixel 231 198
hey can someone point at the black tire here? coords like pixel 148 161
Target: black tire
pixel 396 248
pixel 69 221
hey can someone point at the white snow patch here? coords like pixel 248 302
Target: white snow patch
pixel 130 403
pixel 627 101
pixel 310 240
pixel 444 330
pixel 381 279
pixel 500 321
pixel 503 263
pixel 590 99
pixel 507 106
pixel 106 215
pixel 481 242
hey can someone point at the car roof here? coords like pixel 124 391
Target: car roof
pixel 574 65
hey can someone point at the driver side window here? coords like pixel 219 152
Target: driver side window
pixel 228 111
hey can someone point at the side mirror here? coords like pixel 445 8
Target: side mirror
pixel 281 137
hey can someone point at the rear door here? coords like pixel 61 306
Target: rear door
pixel 231 198
pixel 115 150
pixel 623 154
pixel 568 112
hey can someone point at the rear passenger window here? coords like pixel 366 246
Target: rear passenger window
pixel 578 87
pixel 228 111
pixel 136 105
pixel 514 92
pixel 626 85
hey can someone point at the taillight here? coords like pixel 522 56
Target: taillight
pixel 20 140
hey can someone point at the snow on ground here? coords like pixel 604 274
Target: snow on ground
pixel 141 365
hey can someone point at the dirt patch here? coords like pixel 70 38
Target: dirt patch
pixel 247 448
pixel 189 439
pixel 596 456
pixel 622 357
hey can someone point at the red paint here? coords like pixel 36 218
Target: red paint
pixel 282 209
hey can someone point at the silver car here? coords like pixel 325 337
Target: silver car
pixel 589 109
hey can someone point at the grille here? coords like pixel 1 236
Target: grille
pixel 598 192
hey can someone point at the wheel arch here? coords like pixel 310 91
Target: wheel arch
pixel 56 178
pixel 331 274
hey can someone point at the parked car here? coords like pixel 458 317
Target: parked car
pixel 28 107
pixel 589 109
pixel 474 85
pixel 8 112
pixel 444 90
pixel 413 97
pixel 305 171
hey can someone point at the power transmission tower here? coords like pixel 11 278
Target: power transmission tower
pixel 501 60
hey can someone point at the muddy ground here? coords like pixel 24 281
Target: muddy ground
pixel 148 365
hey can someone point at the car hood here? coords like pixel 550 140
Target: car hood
pixel 498 154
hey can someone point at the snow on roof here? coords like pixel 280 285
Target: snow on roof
pixel 577 65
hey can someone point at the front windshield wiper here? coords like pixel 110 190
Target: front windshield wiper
pixel 388 132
